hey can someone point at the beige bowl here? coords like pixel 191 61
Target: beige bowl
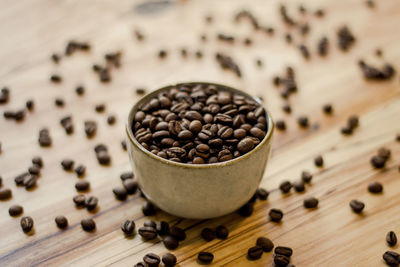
pixel 198 191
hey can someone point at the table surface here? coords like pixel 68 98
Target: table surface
pixel 331 235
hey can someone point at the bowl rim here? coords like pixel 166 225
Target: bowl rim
pixel 132 139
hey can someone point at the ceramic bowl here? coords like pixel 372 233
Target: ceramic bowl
pixel 198 191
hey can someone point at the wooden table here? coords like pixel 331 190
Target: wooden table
pixel 331 235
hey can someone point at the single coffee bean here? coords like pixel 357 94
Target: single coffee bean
pixel 80 90
pixel 82 185
pixel 286 251
pixel 127 175
pixel 151 259
pixel 150 223
pixel 375 188
pixel 262 194
pixel 353 122
pixel 5 194
pixel 170 242
pixel 26 224
pixel 140 264
pixel 80 170
pixel 285 187
pixel 275 215
pixel 254 253
pixel 384 152
pixel 100 108
pixel 391 239
pixel 37 161
pixel 30 181
pixel 357 206
pixel 128 227
pixel 79 200
pixel 148 209
pixel 310 203
pixel 103 158
pixel 111 119
pixel 280 125
pixel 299 186
pixel 281 261
pixel 221 232
pixel 247 209
pixel 327 109
pixel 90 128
pixel 15 210
pixel 208 234
pixel 205 257
pixel 130 186
pixel 61 222
pixel 147 232
pixel 120 193
pixel 391 258
pixel 319 161
pixel 257 133
pixel 19 180
pixel 265 243
pixel 303 121
pixel 44 138
pixel 177 233
pixel 34 170
pixel 91 203
pixel 378 162
pixel 67 164
pixel 306 177
pixel 162 228
pixel 169 259
pixel 88 225
pixel 245 145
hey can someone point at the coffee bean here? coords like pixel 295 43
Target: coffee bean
pixel 79 200
pixel 169 259
pixel 19 180
pixel 275 215
pixel 286 251
pixel 306 177
pixel 257 133
pixel 88 225
pixel 353 122
pixel 207 234
pixel 327 108
pixel 37 161
pixel 90 128
pixel 44 138
pixel 391 258
pixel 265 243
pixel 127 175
pixel 205 257
pixel 61 222
pixel 103 158
pixel 170 242
pixel 67 164
pixel 30 105
pixel 140 264
pixel 149 209
pixel 177 233
pixel 26 224
pixel 262 194
pixel 15 210
pixel 378 162
pixel 375 187
pixel 245 145
pixel 59 102
pixel 91 203
pixel 281 260
pixel 303 121
pixel 384 153
pixel 111 119
pixel 131 186
pixel 162 228
pixel 254 253
pixel 357 206
pixel 80 170
pixel 221 232
pixel 151 259
pixel 391 239
pixel 310 203
pixel 128 227
pixel 247 209
pixel 80 90
pixel 55 78
pixel 100 108
pixel 318 161
pixel 147 232
pixel 299 186
pixel 120 193
pixel 30 181
pixel 285 187
pixel 82 185
pixel 280 125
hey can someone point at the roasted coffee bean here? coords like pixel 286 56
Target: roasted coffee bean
pixel 303 121
pixel 375 188
pixel 285 187
pixel 19 180
pixel 208 234
pixel 88 225
pixel 169 259
pixel 310 203
pixel 280 125
pixel 147 232
pixel 162 54
pixel 79 200
pixel 127 175
pixel 91 203
pixel 80 170
pixel 150 223
pixel 82 185
pixel 170 242
pixel 391 239
pixel 148 209
pixel 140 264
pixel 100 108
pixel 80 90
pixel 120 193
pixel 111 119
pixel 221 232
pixel 128 227
pixel 15 210
pixel 275 215
pixel 286 251
pixel 30 105
pixel 254 253
pixel 205 257
pixel 55 78
pixel 37 161
pixel 67 164
pixel 26 224
pixel 61 222
pixel 162 228
pixel 245 145
pixel 90 128
pixel 151 260
pixel 59 102
pixel 327 108
pixel 306 177
pixel 177 233
pixel 103 158
pixel 131 186
pixel 318 161
pixel 247 209
pixel 44 138
pixel 262 194
pixel 378 162
pixel 299 186
pixel 257 133
pixel 391 258
pixel 357 206
pixel 224 155
pixel 30 181
pixel 281 260
pixel 265 243
pixel 384 153
pixel 353 122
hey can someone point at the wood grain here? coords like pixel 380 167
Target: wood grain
pixel 329 236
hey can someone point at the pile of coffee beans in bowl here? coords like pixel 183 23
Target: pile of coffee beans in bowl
pixel 199 124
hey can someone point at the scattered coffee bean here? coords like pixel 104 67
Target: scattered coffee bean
pixel 37 161
pixel 34 170
pixel 111 119
pixel 131 186
pixel 285 187
pixel 67 164
pixel 91 203
pixel 328 109
pixel 345 38
pixel 30 105
pixel 15 210
pixel 310 203
pixel 80 90
pixel 61 222
pixel 147 232
pixel 280 125
pixel 221 232
pixel 205 257
pixel 262 194
pixel 88 225
pixel 90 128
pixel 378 162
pixel 323 46
pixel 391 258
pixel 127 175
pixel 169 259
pixel 79 200
pixel 120 193
pixel 281 260
pixel 306 177
pixel 55 78
pixel 162 228
pixel 299 186
pixel 286 251
pixel 26 224
pixel 375 187
pixel 303 121
pixel 208 234
pixel 128 227
pixel 275 215
pixel 44 138
pixel 391 239
pixel 226 62
pixel 357 206
pixel 82 185
pixel 151 259
pixel 304 51
pixel 140 264
pixel 254 253
pixel 30 181
pixel 80 170
pixel 140 91
pixel 170 242
pixel 247 209
pixel 19 179
pixel 59 102
pixel 319 161
pixel 55 58
pixel 177 233
pixel 265 243
pixel 100 108
pixel 148 209
pixel 123 145
pixel 370 3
